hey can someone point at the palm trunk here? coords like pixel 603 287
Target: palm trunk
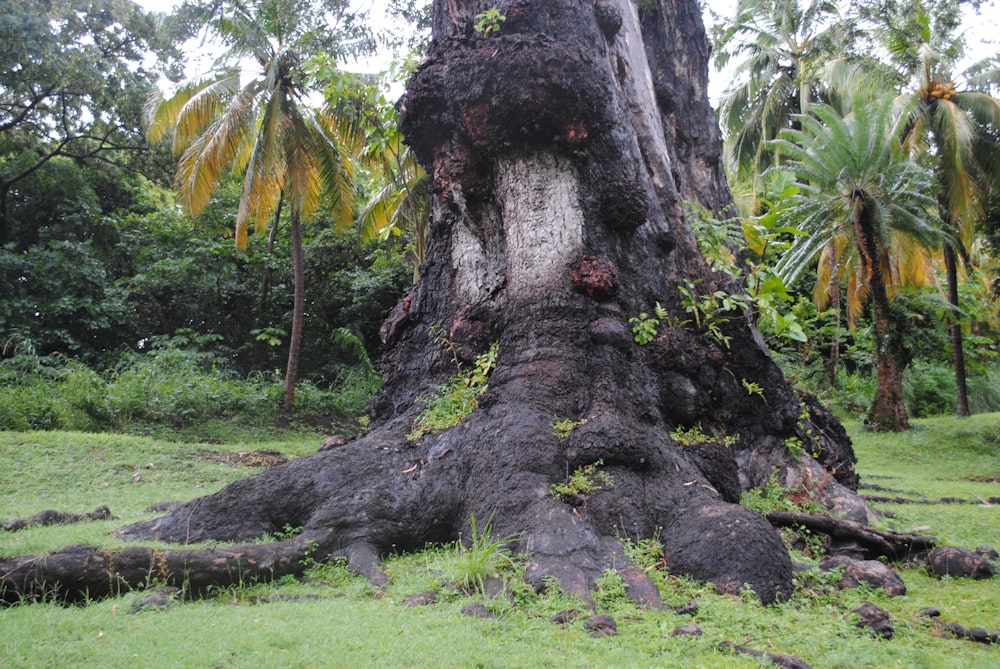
pixel 272 236
pixel 835 307
pixel 888 410
pixel 955 333
pixel 298 311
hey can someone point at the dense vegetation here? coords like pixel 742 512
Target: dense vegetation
pixel 107 276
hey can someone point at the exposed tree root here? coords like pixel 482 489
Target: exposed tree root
pixel 787 661
pixel 52 517
pixel 977 634
pixel 80 573
pixel 850 537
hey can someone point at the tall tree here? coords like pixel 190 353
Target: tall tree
pixel 856 183
pixel 262 130
pixel 952 114
pixel 73 76
pixel 781 49
pixel 560 147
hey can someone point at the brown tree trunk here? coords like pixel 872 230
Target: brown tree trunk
pixel 835 308
pixel 955 333
pixel 888 410
pixel 298 310
pixel 560 149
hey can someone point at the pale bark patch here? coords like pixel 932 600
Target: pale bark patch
pixel 539 202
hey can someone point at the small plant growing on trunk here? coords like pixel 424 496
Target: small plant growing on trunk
pixel 583 481
pixel 489 21
pixel 456 400
pixel 563 428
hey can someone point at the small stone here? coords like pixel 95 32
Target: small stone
pixel 565 616
pixel 987 552
pixel 687 630
pixel 872 572
pixel 601 626
pixel 150 602
pixel 875 619
pixel 958 562
pixel 476 610
pixel 929 612
pixel 333 442
pixel 421 598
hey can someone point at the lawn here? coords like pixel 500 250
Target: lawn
pixel 335 619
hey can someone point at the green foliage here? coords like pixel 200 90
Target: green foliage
pixel 646 554
pixel 563 428
pixel 770 497
pixel 482 557
pixel 644 328
pixel 489 21
pixel 454 401
pixel 929 389
pixel 610 593
pixel 693 436
pixel 172 388
pixel 707 311
pixel 583 481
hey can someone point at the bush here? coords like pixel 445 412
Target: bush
pixel 929 389
pixel 169 389
pixel 984 392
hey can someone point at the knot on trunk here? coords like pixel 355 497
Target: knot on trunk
pixel 596 277
pixel 609 18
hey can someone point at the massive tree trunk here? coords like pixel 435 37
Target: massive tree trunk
pixel 561 149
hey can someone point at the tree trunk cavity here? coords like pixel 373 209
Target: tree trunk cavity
pixel 560 150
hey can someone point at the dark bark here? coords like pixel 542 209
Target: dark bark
pixel 888 410
pixel 955 333
pixel 560 150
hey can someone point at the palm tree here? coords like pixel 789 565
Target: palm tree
pixel 950 115
pixel 783 49
pixel 398 187
pixel 263 131
pixel 856 183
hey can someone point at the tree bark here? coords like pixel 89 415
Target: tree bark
pixel 888 410
pixel 955 333
pixel 298 310
pixel 835 308
pixel 560 150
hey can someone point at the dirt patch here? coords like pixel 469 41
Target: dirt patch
pixel 265 459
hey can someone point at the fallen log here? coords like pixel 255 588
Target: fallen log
pixel 850 537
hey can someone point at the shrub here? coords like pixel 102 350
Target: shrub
pixel 929 389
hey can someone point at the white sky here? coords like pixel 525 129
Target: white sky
pixel 982 31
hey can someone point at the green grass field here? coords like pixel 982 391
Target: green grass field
pixel 335 619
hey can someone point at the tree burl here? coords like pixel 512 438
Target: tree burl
pixel 561 148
